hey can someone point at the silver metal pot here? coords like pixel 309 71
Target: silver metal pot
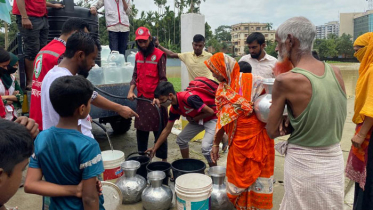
pixel 219 198
pixel 262 103
pixel 156 196
pixel 131 184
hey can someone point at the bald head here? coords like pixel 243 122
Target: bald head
pixel 300 28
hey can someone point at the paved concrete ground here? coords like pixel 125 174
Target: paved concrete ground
pixel 127 143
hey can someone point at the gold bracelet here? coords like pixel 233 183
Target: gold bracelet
pixel 215 145
pixel 25 17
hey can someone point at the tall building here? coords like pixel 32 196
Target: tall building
pixel 328 28
pixel 241 31
pixel 356 24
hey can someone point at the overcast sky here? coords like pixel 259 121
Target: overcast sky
pixel 229 12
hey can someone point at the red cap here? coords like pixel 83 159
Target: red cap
pixel 142 33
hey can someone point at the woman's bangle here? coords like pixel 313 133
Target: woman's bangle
pixel 215 145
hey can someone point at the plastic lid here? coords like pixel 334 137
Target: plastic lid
pixel 112 195
pixel 193 181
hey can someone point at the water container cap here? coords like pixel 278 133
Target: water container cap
pixel 193 181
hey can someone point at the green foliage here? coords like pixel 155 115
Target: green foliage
pixel 208 32
pixel 102 31
pixel 271 48
pixel 345 46
pixel 223 33
pixel 269 26
pixel 334 46
pixel 176 82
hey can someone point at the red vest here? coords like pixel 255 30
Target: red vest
pixel 46 59
pixel 34 8
pixel 147 73
pixel 187 111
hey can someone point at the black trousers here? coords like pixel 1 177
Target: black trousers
pixel 142 143
pixel 364 198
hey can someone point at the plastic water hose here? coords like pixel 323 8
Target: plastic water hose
pixel 139 99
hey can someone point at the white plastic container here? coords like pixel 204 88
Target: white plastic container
pixel 127 72
pixel 131 58
pixel 193 192
pixel 117 58
pixel 96 75
pixel 113 74
pixel 112 161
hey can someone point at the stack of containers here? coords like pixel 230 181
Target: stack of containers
pixel 193 191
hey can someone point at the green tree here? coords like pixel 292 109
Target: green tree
pixel 208 32
pixel 327 48
pixel 271 48
pixel 223 33
pixel 345 46
pixel 269 26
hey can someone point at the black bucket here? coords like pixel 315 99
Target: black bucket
pixel 160 166
pixel 186 166
pixel 144 160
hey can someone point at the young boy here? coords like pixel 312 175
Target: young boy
pixel 65 157
pixel 16 146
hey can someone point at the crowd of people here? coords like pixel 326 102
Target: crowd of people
pixel 65 160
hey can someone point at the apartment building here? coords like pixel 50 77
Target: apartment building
pixel 241 31
pixel 328 28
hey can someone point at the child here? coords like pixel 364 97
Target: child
pixel 245 67
pixel 64 156
pixel 16 146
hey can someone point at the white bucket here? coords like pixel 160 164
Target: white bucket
pixel 193 192
pixel 112 161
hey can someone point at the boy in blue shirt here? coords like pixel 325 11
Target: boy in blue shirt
pixel 65 157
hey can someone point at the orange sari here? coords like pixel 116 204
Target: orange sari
pixel 250 163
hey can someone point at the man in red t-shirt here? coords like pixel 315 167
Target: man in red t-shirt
pixel 200 113
pixel 33 25
pixel 46 59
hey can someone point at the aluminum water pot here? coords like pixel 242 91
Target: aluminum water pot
pixel 219 198
pixel 262 103
pixel 131 184
pixel 156 196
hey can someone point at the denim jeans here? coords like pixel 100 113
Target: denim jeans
pixel 118 41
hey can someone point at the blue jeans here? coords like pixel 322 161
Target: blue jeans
pixel 118 41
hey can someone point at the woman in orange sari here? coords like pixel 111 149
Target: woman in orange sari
pixel 250 162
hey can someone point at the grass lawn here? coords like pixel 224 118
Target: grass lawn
pixel 176 81
pixel 336 62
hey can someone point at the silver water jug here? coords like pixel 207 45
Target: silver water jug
pixel 219 198
pixel 263 102
pixel 156 196
pixel 131 184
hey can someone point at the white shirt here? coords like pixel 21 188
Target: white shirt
pixel 50 116
pixel 264 67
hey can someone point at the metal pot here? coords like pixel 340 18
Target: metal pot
pixel 219 198
pixel 263 103
pixel 131 184
pixel 156 196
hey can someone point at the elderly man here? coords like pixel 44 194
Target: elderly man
pixel 314 93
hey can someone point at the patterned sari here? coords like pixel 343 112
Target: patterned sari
pixel 250 162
